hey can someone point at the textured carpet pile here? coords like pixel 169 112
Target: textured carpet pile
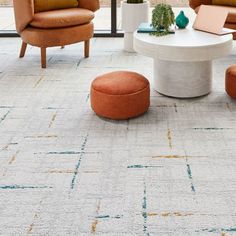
pixel 65 171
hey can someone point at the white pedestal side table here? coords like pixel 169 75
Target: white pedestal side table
pixel 183 61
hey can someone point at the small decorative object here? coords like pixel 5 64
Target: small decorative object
pixel 134 12
pixel 162 18
pixel 182 20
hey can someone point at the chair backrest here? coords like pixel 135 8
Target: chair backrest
pixel 24 12
pixel 196 3
pixel 49 5
pixel 92 5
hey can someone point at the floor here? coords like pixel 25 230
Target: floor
pixel 65 171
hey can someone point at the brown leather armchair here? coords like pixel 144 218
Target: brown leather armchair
pixel 231 19
pixel 54 28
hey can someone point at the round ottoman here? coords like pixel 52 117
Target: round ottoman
pixel 120 95
pixel 230 81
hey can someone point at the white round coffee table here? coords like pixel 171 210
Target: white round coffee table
pixel 183 61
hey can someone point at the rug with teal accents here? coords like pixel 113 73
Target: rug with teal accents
pixel 65 171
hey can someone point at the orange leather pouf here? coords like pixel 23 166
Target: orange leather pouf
pixel 120 95
pixel 230 81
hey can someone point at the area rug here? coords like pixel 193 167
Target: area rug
pixel 65 171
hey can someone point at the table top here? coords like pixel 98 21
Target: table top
pixel 184 45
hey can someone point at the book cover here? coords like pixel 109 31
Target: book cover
pixel 148 28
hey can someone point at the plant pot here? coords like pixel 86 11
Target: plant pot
pixel 132 15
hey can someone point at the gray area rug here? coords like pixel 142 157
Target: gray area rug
pixel 65 171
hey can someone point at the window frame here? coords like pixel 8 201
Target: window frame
pixel 113 32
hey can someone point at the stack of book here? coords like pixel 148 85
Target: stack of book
pixel 148 28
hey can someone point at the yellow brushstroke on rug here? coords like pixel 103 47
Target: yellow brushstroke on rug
pixel 38 82
pixel 169 138
pixel 42 136
pixel 31 226
pixel 95 222
pixel 52 120
pixel 168 214
pixel 13 158
pixel 169 156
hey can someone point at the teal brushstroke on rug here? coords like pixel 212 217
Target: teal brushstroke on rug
pixel 64 153
pixel 144 213
pixel 22 187
pixel 108 216
pixel 87 98
pixel 211 128
pixel 141 166
pixel 4 117
pixel 189 171
pixel 4 107
pixel 78 163
pixel 213 230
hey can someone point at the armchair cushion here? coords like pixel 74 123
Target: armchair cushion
pixel 62 18
pixel 224 2
pixel 232 14
pixel 48 5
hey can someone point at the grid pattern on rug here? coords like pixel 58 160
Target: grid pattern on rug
pixel 65 171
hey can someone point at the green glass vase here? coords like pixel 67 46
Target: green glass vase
pixel 182 20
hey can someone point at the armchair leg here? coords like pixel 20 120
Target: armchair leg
pixel 23 49
pixel 86 49
pixel 43 57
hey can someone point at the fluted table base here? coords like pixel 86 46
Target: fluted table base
pixel 182 79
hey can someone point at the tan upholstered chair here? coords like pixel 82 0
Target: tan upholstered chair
pixel 230 21
pixel 54 28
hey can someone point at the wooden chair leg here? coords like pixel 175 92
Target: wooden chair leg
pixel 43 57
pixel 23 49
pixel 86 49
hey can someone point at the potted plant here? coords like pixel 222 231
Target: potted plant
pixel 162 18
pixel 134 12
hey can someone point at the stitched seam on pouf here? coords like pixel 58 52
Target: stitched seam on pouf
pixel 127 94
